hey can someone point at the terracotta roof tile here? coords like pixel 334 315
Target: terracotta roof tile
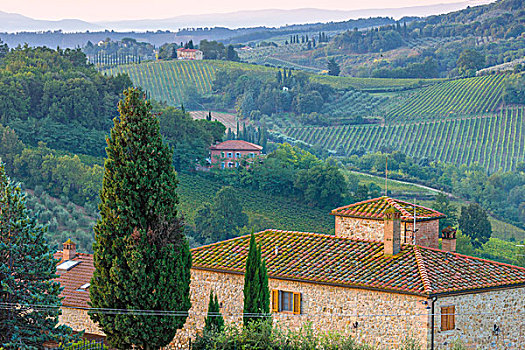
pixel 319 258
pixel 237 145
pixel 73 279
pixel 328 259
pixel 373 209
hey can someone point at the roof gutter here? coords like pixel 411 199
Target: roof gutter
pixel 478 290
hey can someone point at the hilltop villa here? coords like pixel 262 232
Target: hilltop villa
pixel 230 153
pixel 189 54
pixel 369 281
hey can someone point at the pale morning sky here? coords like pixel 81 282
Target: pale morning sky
pixel 100 10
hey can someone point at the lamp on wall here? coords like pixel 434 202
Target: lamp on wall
pixel 495 330
pixel 424 302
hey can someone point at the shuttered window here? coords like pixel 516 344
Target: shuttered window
pixel 275 300
pixel 283 301
pixel 448 319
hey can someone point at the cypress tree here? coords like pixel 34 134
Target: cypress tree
pixel 214 321
pixel 256 292
pixel 27 270
pixel 141 257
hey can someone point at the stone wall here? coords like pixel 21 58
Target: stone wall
pixel 476 315
pixel 79 320
pixel 358 228
pixel 328 308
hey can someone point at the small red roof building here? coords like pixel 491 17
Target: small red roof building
pixel 229 154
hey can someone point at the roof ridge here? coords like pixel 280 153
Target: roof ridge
pixel 422 269
pixel 358 203
pixel 418 205
pixel 393 202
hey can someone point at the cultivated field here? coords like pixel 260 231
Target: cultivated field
pixel 228 119
pixel 460 97
pixel 495 141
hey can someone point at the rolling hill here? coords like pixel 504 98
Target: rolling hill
pixel 169 80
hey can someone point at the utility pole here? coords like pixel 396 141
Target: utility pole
pixel 415 230
pixel 386 177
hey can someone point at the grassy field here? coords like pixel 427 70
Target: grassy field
pixel 228 119
pixel 495 141
pixel 450 99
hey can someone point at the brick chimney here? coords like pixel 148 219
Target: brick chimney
pixel 392 227
pixel 448 239
pixel 69 250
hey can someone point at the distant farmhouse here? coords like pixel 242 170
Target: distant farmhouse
pixel 369 281
pixel 229 154
pixel 189 54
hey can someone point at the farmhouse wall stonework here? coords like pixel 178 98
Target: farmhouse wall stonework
pixel 476 315
pixel 79 320
pixel 359 228
pixel 333 308
pixel 328 308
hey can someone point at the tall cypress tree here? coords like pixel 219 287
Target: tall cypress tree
pixel 256 292
pixel 27 270
pixel 142 259
pixel 214 321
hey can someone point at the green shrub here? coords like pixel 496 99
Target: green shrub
pixel 266 337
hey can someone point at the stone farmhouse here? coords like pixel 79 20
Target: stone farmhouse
pixel 229 154
pixel 368 281
pixel 189 54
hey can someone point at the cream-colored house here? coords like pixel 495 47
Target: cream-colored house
pixel 189 54
pixel 378 287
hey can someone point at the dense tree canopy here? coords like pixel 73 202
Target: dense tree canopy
pixel 473 222
pixel 222 219
pixel 189 138
pixel 41 90
pixel 469 62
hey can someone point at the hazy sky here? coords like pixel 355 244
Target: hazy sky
pixel 97 10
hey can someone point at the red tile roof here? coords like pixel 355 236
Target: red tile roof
pixel 236 145
pixel 73 279
pixel 326 259
pixel 187 50
pixel 373 209
pixel 319 258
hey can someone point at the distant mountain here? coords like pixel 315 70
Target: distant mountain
pixel 12 22
pixel 277 18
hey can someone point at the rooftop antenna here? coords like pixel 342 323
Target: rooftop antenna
pixel 415 230
pixel 386 176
